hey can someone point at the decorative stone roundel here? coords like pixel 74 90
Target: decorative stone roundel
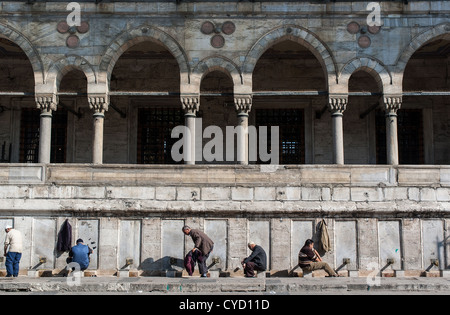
pixel 72 41
pixel 353 27
pixel 364 41
pixel 217 41
pixel 207 28
pixel 62 27
pixel 228 28
pixel 374 29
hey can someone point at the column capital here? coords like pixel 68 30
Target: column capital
pixel 98 102
pixel 392 103
pixel 243 103
pixel 190 104
pixel 46 102
pixel 337 104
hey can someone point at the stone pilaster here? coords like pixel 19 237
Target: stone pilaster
pixel 337 104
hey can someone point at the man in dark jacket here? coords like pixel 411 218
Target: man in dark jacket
pixel 256 261
pixel 203 244
pixel 309 260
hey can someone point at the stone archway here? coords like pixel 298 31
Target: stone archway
pixel 62 66
pixel 20 40
pixel 132 37
pixel 370 65
pixel 299 35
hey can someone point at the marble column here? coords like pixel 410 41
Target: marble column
pixel 337 106
pixel 391 105
pixel 99 103
pixel 190 105
pixel 47 104
pixel 243 105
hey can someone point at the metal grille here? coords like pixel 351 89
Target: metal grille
pixel 29 136
pixel 154 129
pixel 410 136
pixel 291 123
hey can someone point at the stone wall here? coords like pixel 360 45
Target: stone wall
pixel 373 214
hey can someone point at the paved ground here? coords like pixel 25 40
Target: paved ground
pixel 223 286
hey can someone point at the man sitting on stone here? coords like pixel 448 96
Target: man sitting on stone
pixel 309 260
pixel 256 261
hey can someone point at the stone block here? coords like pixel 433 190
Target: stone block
pixel 261 275
pixel 265 193
pixel 33 273
pixel 288 193
pixel 188 193
pixel 311 193
pixel 366 194
pixel 215 193
pixel 353 273
pixel 165 193
pixel 123 273
pixel 443 194
pixel 341 194
pixel 395 193
pixel 242 193
pixel 427 194
pixel 414 193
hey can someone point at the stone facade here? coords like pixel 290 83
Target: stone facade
pixel 321 58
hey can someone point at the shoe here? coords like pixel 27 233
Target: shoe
pixel 204 275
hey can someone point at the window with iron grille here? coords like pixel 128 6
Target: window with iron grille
pixel 410 136
pixel 291 123
pixel 29 136
pixel 154 134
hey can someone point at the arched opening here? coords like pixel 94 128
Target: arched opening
pixel 289 84
pixel 217 110
pixel 144 106
pixel 423 124
pixel 360 140
pixel 19 117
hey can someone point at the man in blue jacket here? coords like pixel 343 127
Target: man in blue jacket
pixel 80 254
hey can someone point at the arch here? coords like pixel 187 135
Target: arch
pixel 132 37
pixel 27 47
pixel 370 65
pixel 62 66
pixel 437 32
pixel 218 63
pixel 299 35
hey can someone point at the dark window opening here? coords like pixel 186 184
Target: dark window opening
pixel 29 136
pixel 410 136
pixel 291 123
pixel 154 134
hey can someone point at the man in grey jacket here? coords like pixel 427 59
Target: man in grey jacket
pixel 203 244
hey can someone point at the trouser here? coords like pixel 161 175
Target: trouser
pixel 201 259
pixel 250 268
pixel 12 264
pixel 320 265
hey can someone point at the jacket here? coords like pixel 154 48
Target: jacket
pixel 258 257
pixel 190 260
pixel 324 239
pixel 201 241
pixel 64 237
